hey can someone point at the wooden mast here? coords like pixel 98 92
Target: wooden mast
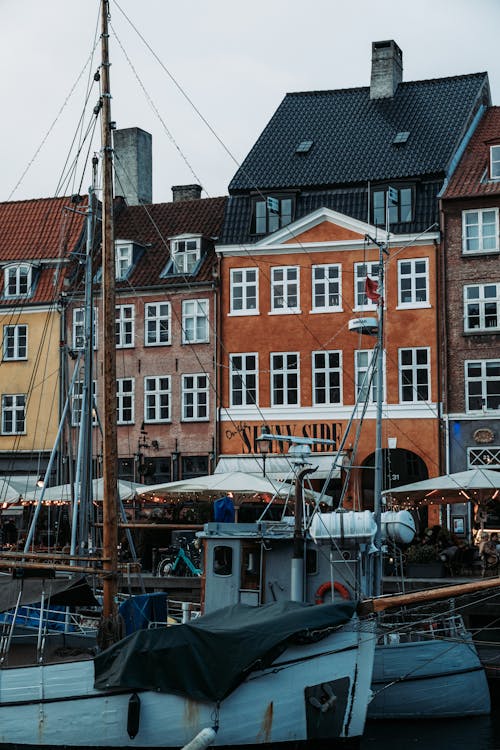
pixel 109 632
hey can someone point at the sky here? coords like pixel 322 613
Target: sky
pixel 202 77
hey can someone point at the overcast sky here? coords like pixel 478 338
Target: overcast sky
pixel 235 61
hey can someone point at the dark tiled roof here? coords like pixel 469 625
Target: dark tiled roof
pixel 353 135
pixel 470 178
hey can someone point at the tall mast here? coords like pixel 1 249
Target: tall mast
pixel 110 503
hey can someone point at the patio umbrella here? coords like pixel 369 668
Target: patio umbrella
pixel 474 484
pixel 62 492
pixel 237 482
pixel 8 493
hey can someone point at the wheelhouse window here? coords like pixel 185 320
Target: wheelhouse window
pixel 361 271
pixel 482 385
pixel 13 414
pixel 393 204
pixel 285 289
pixel 15 342
pixel 125 388
pixel 243 379
pixel 79 328
pixel 482 308
pixel 123 260
pixel 271 213
pixel 157 324
pixel 223 561
pixel 125 318
pixel 480 231
pixel 285 379
pixel 327 288
pixel 157 399
pixel 194 398
pixel 327 378
pixel 195 321
pixel 244 291
pixel 413 282
pixel 414 375
pixel 185 254
pixel 17 280
pixel 495 162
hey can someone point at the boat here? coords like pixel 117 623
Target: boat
pixel 288 672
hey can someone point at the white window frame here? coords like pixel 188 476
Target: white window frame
pixel 328 371
pixel 18 276
pixel 195 397
pixel 195 315
pixel 244 291
pixel 361 271
pixel 185 253
pixel 157 399
pixel 286 289
pixel 360 369
pixel 76 402
pixel 78 337
pixel 481 379
pixel 16 339
pixel 124 255
pixel 285 378
pixel 241 373
pixel 125 401
pixel 125 326
pixel 411 374
pixel 325 286
pixel 414 276
pixel 17 411
pixel 495 162
pixel 157 324
pixel 478 237
pixel 484 305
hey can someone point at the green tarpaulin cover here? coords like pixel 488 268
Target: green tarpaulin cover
pixel 208 658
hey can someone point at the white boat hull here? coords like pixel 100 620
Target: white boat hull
pixel 56 705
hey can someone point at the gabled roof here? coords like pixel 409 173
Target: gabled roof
pixel 470 178
pixel 353 136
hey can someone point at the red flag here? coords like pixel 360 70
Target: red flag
pixel 371 287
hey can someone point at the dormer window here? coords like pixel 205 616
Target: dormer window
pixel 271 213
pixel 392 205
pixel 495 162
pixel 18 280
pixel 186 253
pixel 123 260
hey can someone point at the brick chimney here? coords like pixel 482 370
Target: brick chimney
pixel 186 193
pixel 387 69
pixel 133 165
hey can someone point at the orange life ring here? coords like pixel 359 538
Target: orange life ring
pixel 327 586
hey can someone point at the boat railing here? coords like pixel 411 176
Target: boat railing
pixel 414 628
pixel 53 620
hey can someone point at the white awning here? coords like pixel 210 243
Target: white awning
pixel 279 468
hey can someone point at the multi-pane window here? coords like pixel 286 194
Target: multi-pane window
pixel 125 400
pixel 361 271
pixel 326 287
pixel 15 342
pixel 243 379
pixel 194 397
pixel 413 282
pixel 185 254
pixel 17 280
pixel 480 230
pixel 195 321
pixel 285 379
pixel 125 315
pixel 243 290
pixel 414 375
pixel 157 399
pixel 77 398
pixel 123 260
pixel 392 204
pixel 79 328
pixel 13 414
pixel 157 323
pixel 495 162
pixel 366 375
pixel 482 307
pixel 285 289
pixel 271 214
pixel 327 378
pixel 482 385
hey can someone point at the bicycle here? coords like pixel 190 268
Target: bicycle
pixel 182 560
